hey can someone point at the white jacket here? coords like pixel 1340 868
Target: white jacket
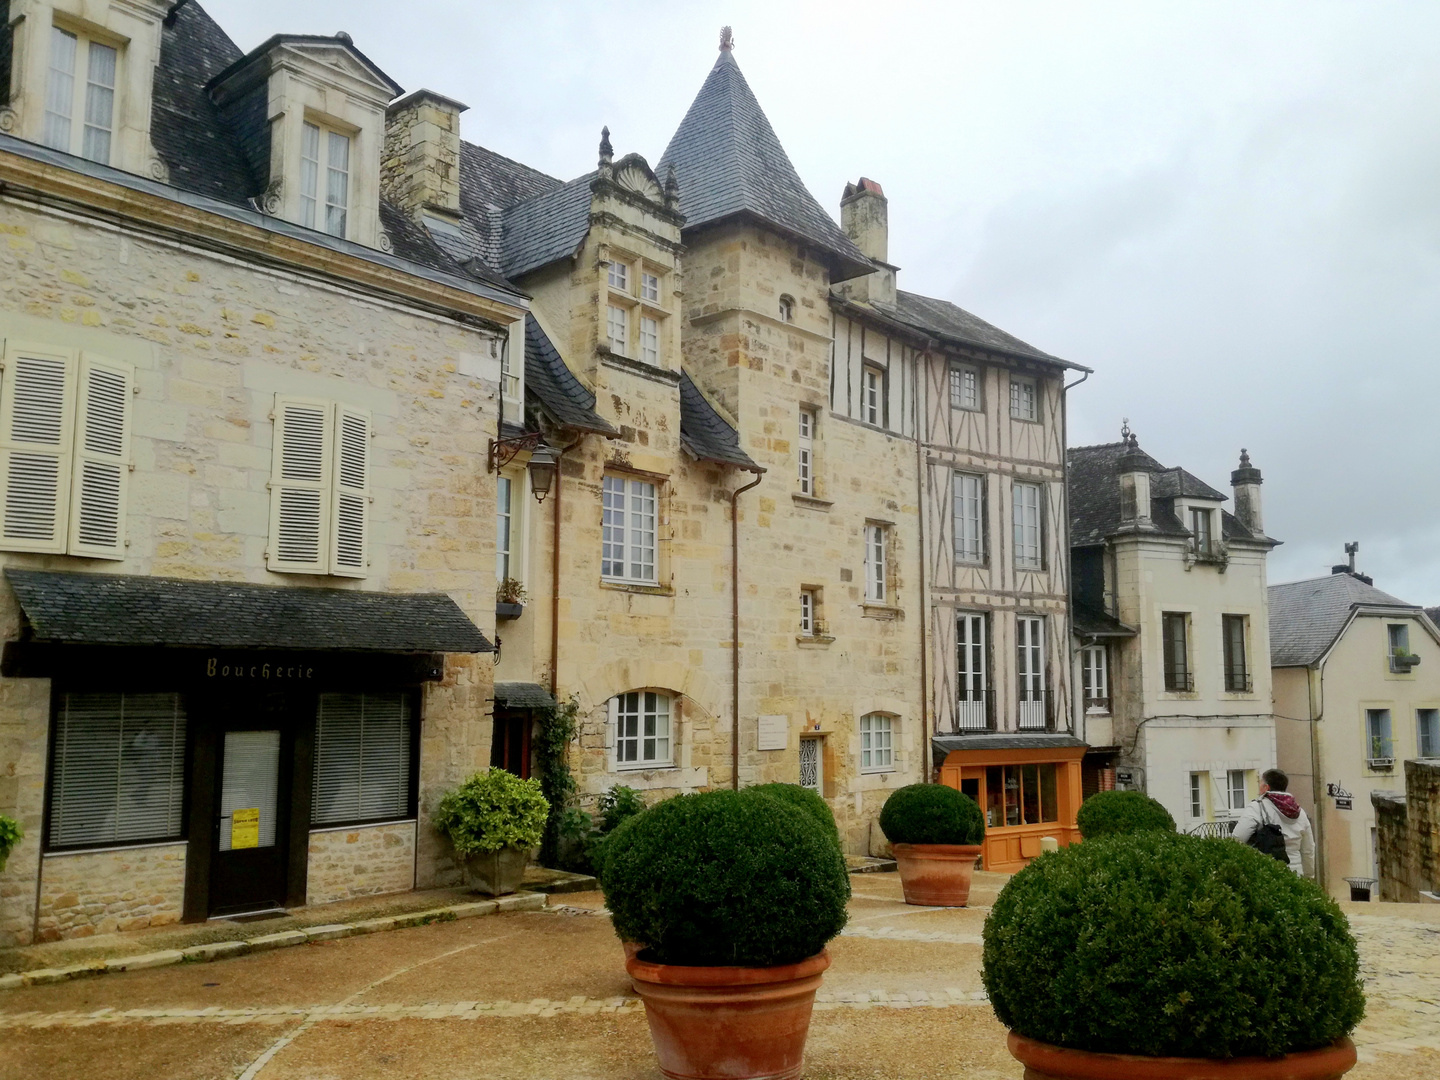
pixel 1299 837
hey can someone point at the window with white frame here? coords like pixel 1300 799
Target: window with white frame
pixel 872 396
pixel 877 743
pixel 1236 787
pixel 1026 518
pixel 805 451
pixel 510 365
pixel 1202 531
pixel 1398 635
pixel 649 287
pixel 877 582
pixel 964 387
pixel 640 720
pixel 649 340
pixel 972 663
pixel 363 753
pixel 504 525
pixel 319 488
pixel 324 179
pixel 1379 741
pixel 80 95
pixel 1427 732
pixel 1024 404
pixel 627 547
pixel 617 328
pixel 1030 668
pixel 1198 784
pixel 809 613
pixel 969 516
pixel 64 451
pixel 1095 677
pixel 618 276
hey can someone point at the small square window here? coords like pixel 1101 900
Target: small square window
pixel 649 288
pixel 618 276
pixel 1023 399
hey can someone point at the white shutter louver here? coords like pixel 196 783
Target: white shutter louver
pixel 102 459
pixel 300 486
pixel 348 554
pixel 36 424
pixel 362 759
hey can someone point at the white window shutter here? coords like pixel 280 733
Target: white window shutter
pixel 350 524
pixel 300 486
pixel 37 409
pixel 102 458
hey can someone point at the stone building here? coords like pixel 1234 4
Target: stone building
pixel 1357 692
pixel 244 510
pixel 1172 630
pixel 1407 835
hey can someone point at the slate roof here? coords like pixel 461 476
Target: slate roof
pixel 943 319
pixel 1086 621
pixel 332 40
pixel 1177 483
pixel 555 386
pixel 1307 616
pixel 111 609
pixel 523 695
pixel 942 745
pixel 729 163
pixel 705 434
pixel 489 182
pixel 546 228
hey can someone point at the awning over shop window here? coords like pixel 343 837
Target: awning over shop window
pixel 943 745
pixel 522 695
pixel 108 609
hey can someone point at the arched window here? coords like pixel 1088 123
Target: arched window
pixel 787 308
pixel 640 721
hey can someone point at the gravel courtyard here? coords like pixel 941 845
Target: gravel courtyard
pixel 544 995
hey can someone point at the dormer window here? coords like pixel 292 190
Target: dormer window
pixel 324 203
pixel 1202 539
pixel 80 95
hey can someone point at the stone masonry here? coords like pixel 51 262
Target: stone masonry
pixel 100 892
pixel 361 861
pixel 1408 835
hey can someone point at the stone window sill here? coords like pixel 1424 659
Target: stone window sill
pixel 638 587
pixel 880 611
pixel 812 503
pixel 814 641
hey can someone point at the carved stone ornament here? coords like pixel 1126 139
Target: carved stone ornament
pixel 636 180
pixel 384 242
pixel 273 198
pixel 9 120
pixel 159 171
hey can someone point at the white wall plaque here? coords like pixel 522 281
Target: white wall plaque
pixel 774 732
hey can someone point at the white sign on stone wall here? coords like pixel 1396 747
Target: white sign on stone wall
pixel 774 732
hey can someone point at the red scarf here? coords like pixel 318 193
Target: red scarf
pixel 1284 802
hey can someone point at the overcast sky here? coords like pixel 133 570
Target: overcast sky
pixel 1230 210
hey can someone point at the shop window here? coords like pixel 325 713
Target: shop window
pixel 969 515
pixel 118 771
pixel 1021 795
pixel 877 743
pixel 319 489
pixel 80 95
pixel 64 451
pixel 640 721
pixel 627 542
pixel 363 750
pixel 1028 520
pixel 1175 631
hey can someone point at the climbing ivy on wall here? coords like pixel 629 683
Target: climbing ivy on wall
pixel 550 749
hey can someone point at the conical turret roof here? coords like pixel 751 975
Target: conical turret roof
pixel 730 163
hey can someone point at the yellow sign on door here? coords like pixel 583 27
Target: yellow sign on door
pixel 245 828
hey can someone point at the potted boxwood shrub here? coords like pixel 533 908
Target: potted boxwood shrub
pixel 734 895
pixel 805 799
pixel 493 819
pixel 1111 812
pixel 936 834
pixel 1166 957
pixel 10 834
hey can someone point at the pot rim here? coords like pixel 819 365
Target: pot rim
pixel 688 975
pixel 1061 1061
pixel 937 849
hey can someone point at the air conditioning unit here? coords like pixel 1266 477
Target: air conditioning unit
pixel 1380 763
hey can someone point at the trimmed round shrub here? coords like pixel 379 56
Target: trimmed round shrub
pixel 1169 945
pixel 1114 812
pixel 802 797
pixel 725 878
pixel 931 814
pixel 494 809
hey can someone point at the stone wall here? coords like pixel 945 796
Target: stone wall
pixel 1407 830
pixel 361 861
pixel 100 892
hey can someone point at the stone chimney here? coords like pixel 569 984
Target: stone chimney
pixel 421 167
pixel 865 217
pixel 1246 483
pixel 1134 468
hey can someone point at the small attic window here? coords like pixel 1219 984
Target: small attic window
pixel 787 308
pixel 333 191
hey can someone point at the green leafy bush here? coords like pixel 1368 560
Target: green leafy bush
pixel 725 878
pixel 617 804
pixel 1112 812
pixel 10 834
pixel 931 814
pixel 1170 945
pixel 494 809
pixel 802 797
pixel 582 835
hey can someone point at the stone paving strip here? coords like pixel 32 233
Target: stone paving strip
pixel 221 950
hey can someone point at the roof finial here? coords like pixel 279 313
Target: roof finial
pixel 607 152
pixel 1127 437
pixel 727 39
pixel 672 188
pixel 1244 458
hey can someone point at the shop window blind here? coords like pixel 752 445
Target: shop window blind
pixel 119 770
pixel 362 758
pixel 250 780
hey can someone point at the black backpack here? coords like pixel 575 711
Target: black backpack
pixel 1268 839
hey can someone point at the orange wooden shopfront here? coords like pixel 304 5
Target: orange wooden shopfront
pixel 1027 785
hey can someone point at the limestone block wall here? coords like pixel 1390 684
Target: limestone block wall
pixel 1408 834
pixel 100 892
pixel 361 861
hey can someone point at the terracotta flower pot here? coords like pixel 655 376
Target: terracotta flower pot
pixel 936 875
pixel 728 1023
pixel 1043 1061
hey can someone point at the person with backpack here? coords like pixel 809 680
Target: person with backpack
pixel 1275 825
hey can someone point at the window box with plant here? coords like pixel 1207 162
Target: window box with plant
pixel 1171 958
pixel 510 597
pixel 936 834
pixel 493 820
pixel 735 895
pixel 10 834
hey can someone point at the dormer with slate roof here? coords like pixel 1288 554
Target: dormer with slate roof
pixel 309 115
pixel 79 77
